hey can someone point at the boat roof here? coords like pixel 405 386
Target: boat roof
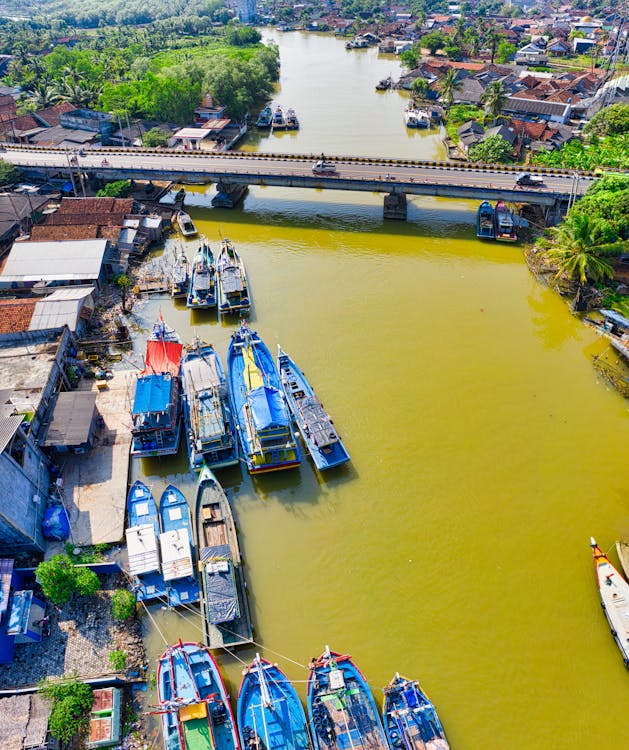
pixel 202 372
pixel 176 553
pixel 209 417
pixel 220 587
pixel 162 357
pixel 267 408
pixel 321 429
pixel 616 318
pixel 142 549
pixel 152 394
pixel 231 279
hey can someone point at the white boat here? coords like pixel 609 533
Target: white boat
pixel 416 118
pixel 186 225
pixel 614 592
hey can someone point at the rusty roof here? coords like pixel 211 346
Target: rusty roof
pixel 16 314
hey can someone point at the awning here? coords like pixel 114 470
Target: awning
pixel 163 356
pixel 72 419
pixel 8 428
pixel 152 394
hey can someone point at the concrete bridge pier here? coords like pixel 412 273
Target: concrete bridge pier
pixel 555 213
pixel 395 206
pixel 228 194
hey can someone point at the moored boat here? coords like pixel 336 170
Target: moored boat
pixel 142 534
pixel 233 289
pixel 314 424
pixel 193 702
pixel 504 224
pixel 410 719
pixel 384 84
pixel 264 425
pixel 341 708
pixel 163 332
pixel 177 548
pixel 614 593
pixel 186 225
pixel 615 328
pixel 180 276
pixel 202 287
pixel 622 549
pixel 224 606
pixel 292 123
pixel 416 118
pixel 485 221
pixel 264 118
pixel 210 429
pixel 278 121
pixel 270 714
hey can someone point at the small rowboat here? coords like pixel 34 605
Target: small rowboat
pixel 410 719
pixel 614 592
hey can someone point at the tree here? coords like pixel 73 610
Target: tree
pixel 155 137
pixel 448 85
pixel 505 52
pixel 453 51
pixel 493 38
pixel 9 173
pixel 493 150
pixel 115 189
pixel 86 582
pixel 123 604
pixel 57 578
pixel 409 58
pixel 71 705
pixel 433 41
pixel 123 282
pixel 612 120
pixel 420 86
pixel 494 98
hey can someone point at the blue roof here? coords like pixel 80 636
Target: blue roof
pixel 616 318
pixel 267 408
pixel 152 393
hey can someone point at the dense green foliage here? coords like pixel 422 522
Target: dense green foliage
pixel 71 705
pixel 493 150
pixel 612 151
pixel 155 137
pixel 123 604
pixel 612 120
pixel 607 201
pixel 433 41
pixel 8 172
pixel 117 660
pixel 505 52
pixel 460 113
pixel 60 578
pixel 116 189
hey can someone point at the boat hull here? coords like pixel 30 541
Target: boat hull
pixel 410 719
pixel 614 593
pixel 175 520
pixel 485 221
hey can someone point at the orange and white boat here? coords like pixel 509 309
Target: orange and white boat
pixel 614 591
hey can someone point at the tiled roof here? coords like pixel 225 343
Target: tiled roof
pixel 9 123
pixel 50 115
pixel 95 205
pixel 533 130
pixel 103 218
pixel 15 315
pixel 49 232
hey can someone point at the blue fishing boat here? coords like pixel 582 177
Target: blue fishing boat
pixel 315 426
pixel 341 708
pixel 177 548
pixel 410 719
pixel 210 430
pixel 270 714
pixel 202 288
pixel 224 606
pixel 193 703
pixel 485 221
pixel 142 534
pixel 233 289
pixel 264 426
pixel 264 118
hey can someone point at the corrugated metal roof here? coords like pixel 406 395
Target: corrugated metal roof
pixel 8 428
pixel 62 261
pixel 72 418
pixel 62 307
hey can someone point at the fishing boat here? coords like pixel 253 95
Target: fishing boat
pixel 410 719
pixel 233 290
pixel 315 426
pixel 264 118
pixel 163 332
pixel 142 534
pixel 177 548
pixel 180 276
pixel 278 122
pixel 264 426
pixel 615 328
pixel 269 713
pixel 292 123
pixel 226 621
pixel 202 288
pixel 416 118
pixel 210 429
pixel 193 702
pixel 504 225
pixel 614 593
pixel 385 84
pixel 185 224
pixel 485 221
pixel 341 708
pixel 622 549
pixel 156 411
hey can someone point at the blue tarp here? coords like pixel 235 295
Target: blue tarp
pixel 616 318
pixel 267 408
pixel 56 524
pixel 152 394
pixel 220 585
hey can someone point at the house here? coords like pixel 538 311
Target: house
pixel 504 132
pixel 535 109
pixel 558 47
pixel 49 117
pixel 470 133
pixel 90 121
pixel 208 111
pixel 73 423
pixel 531 54
pixel 470 92
pixel 582 45
pixel 66 306
pixel 18 211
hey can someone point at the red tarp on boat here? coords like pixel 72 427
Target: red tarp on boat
pixel 161 357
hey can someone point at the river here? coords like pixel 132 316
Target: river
pixel 485 451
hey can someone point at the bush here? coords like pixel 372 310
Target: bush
pixel 613 120
pixel 71 706
pixel 116 189
pixel 118 660
pixel 493 150
pixel 86 581
pixel 8 172
pixel 60 578
pixel 155 137
pixel 123 604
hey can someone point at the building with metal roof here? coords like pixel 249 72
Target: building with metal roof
pixel 73 422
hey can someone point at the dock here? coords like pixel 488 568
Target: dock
pixel 95 483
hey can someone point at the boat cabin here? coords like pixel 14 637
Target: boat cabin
pixel 142 550
pixel 176 552
pixel 155 415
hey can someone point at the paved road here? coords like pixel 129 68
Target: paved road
pixel 296 170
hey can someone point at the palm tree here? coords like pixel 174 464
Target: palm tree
pixel 577 252
pixel 493 39
pixel 494 98
pixel 448 85
pixel 45 93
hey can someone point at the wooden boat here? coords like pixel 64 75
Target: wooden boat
pixel 384 84
pixel 622 549
pixel 615 328
pixel 278 121
pixel 163 332
pixel 210 429
pixel 180 276
pixel 193 702
pixel 186 225
pixel 292 123
pixel 177 548
pixel 416 118
pixel 226 621
pixel 269 713
pixel 264 118
pixel 504 225
pixel 202 288
pixel 314 425
pixel 265 431
pixel 341 708
pixel 142 534
pixel 485 221
pixel 233 290
pixel 614 593
pixel 410 719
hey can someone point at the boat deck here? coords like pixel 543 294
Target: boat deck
pixel 214 527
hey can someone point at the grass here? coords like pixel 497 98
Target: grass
pixel 209 47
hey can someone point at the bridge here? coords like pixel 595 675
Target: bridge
pixel 234 171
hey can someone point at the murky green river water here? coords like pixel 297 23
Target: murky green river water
pixel 485 452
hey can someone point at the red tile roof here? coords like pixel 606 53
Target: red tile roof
pixel 51 115
pixel 15 315
pixel 95 205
